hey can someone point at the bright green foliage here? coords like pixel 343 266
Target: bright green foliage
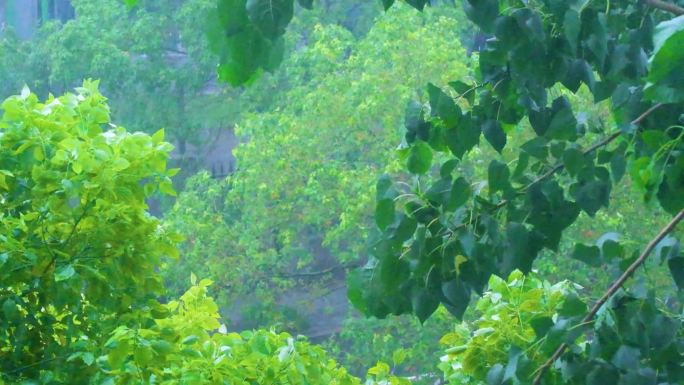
pixel 409 346
pixel 79 254
pixel 78 250
pixel 512 313
pixel 185 343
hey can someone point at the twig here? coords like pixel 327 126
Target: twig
pixel 71 234
pixel 317 273
pixel 589 150
pixel 665 6
pixel 613 289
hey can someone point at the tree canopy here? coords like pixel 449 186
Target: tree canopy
pixel 507 164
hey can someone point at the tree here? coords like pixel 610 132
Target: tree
pixel 447 238
pixel 78 250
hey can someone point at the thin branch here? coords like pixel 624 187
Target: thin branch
pixel 318 273
pixel 613 289
pixel 65 243
pixel 589 150
pixel 665 6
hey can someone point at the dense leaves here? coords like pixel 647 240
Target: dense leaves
pixel 77 244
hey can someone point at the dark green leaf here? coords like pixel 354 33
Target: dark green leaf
pixel 271 17
pixel 591 255
pixel 498 176
pixel 571 27
pixel 420 158
pixel 541 326
pixel 618 165
pixel 574 160
pixel 417 4
pixel 460 194
pixel 387 4
pixel 572 306
pixel 494 134
pixel 626 358
pixel 384 213
pixel 456 297
pixel 676 266
pixel 464 90
pixel 495 375
pixel 463 137
pixel 668 54
pixel 443 106
pixel 424 304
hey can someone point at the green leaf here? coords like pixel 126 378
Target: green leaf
pixel 443 106
pixel 460 194
pixel 456 297
pixel 387 4
pixel 676 266
pixel 494 134
pixel 384 213
pixel 463 137
pixel 464 90
pixel 626 357
pixel 271 17
pixel 498 176
pixel 573 160
pixel 64 273
pixel 591 255
pixel 424 304
pixel 571 27
pixel 420 158
pixel 541 326
pixel 572 306
pixel 119 164
pixel 667 54
pixel 417 4
pixel 189 340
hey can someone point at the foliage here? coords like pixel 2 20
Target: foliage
pixel 78 250
pixel 79 254
pixel 447 238
pixel 510 314
pixel 300 198
pixel 155 49
pixel 188 345
pixel 410 347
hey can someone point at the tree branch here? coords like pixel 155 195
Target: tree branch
pixel 613 289
pixel 665 6
pixel 589 150
pixel 317 273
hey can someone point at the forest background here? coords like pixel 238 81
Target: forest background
pixel 275 198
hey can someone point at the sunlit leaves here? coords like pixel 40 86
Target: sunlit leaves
pixel 75 228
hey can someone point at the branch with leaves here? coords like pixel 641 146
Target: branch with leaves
pixel 613 289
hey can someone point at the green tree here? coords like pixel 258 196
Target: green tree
pixel 78 249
